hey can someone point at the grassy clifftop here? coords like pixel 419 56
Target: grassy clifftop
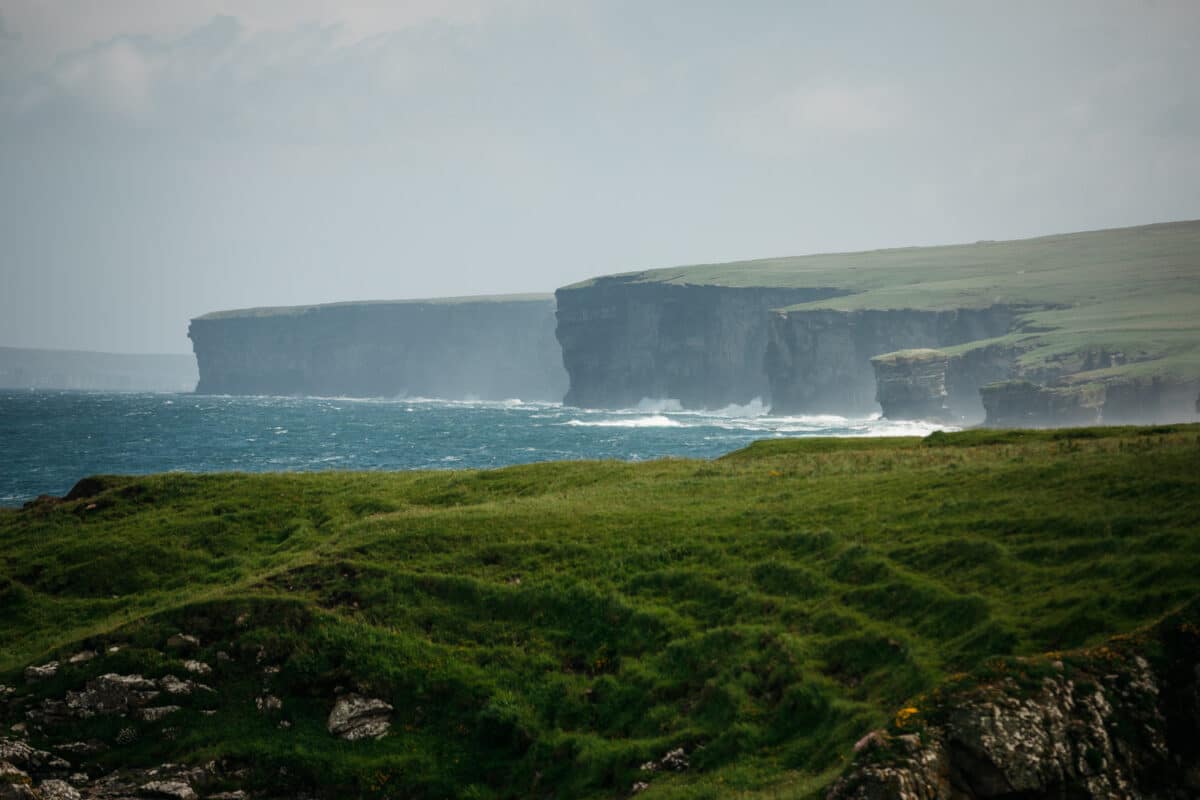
pixel 295 311
pixel 1128 291
pixel 550 628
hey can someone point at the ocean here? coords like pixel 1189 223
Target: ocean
pixel 49 440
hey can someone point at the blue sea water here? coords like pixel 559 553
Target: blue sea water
pixel 48 440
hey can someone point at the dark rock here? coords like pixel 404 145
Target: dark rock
pixel 911 384
pixel 1022 403
pixel 112 694
pixel 624 340
pixel 819 361
pixel 490 348
pixel 183 641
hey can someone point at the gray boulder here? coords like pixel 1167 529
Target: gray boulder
pixel 356 717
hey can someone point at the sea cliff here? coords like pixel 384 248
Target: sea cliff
pixel 624 341
pixel 1103 325
pixel 469 348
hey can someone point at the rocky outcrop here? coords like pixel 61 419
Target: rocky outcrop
pixel 1122 720
pixel 940 385
pixel 624 341
pixel 485 348
pixel 911 384
pixel 1024 404
pixel 356 717
pixel 1151 400
pixel 819 361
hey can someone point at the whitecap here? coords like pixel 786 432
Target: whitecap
pixel 654 421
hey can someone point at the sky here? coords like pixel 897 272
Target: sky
pixel 161 159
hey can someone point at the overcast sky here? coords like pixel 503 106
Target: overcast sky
pixel 163 159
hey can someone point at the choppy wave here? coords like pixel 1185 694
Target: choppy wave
pixel 655 421
pixel 54 438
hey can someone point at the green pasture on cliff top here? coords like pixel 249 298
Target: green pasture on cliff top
pixel 547 629
pixel 1130 290
pixel 295 311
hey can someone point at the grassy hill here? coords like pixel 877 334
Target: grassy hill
pixel 547 629
pixel 1134 291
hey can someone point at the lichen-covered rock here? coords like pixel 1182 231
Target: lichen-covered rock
pixel 42 672
pixel 111 694
pixel 1107 724
pixel 173 790
pixel 197 667
pixel 155 713
pixel 55 789
pixel 21 754
pixel 355 717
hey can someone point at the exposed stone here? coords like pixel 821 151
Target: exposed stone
pixel 1109 726
pixel 819 361
pixel 21 754
pixel 268 704
pixel 172 685
pixel 173 790
pixel 55 789
pixel 82 656
pixel 155 713
pixel 183 641
pixel 356 717
pixel 911 384
pixel 82 748
pixel 110 694
pixel 197 667
pixel 38 673
pixel 1023 403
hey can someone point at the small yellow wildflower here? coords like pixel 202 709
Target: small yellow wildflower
pixel 904 715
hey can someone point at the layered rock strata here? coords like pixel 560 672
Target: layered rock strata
pixel 819 361
pixel 624 341
pixel 487 348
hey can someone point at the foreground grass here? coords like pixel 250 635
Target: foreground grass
pixel 548 628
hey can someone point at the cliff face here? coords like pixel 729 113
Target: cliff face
pixel 912 384
pixel 819 361
pixel 625 341
pixel 486 349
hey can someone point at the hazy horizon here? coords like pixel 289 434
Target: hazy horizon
pixel 161 161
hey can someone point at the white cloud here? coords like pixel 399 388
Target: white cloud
pixel 114 77
pixel 791 121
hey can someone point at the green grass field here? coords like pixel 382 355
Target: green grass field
pixel 546 629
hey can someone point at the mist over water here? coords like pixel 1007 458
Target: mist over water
pixel 52 439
